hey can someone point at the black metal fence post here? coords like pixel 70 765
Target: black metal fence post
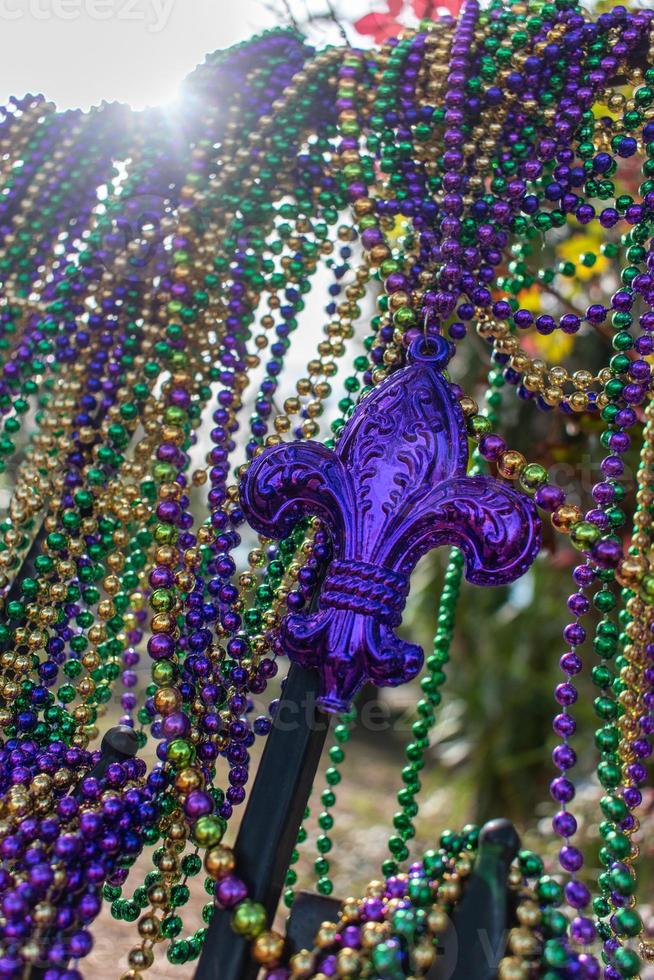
pixel 475 942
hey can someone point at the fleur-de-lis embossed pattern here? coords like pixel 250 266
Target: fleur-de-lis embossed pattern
pixel 394 487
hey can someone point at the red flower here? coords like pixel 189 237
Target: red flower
pixel 381 26
pixel 427 9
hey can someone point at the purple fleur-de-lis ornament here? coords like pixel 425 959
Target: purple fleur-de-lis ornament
pixel 394 487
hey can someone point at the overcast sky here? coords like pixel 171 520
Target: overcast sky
pixel 78 52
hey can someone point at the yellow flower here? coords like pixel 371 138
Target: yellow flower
pixel 554 347
pixel 577 245
pixel 530 299
pixel 399 229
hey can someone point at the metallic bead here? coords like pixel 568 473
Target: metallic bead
pixel 140 958
pixel 326 935
pixel 510 464
pixel 268 947
pixel 523 942
pixel 438 920
pixel 302 964
pixel 512 968
pixel 219 862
